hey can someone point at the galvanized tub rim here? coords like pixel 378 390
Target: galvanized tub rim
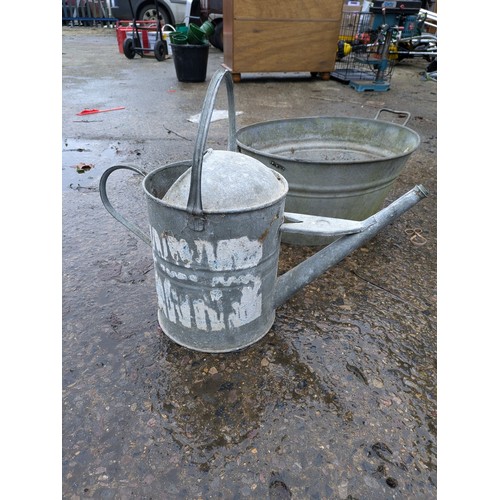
pixel 311 119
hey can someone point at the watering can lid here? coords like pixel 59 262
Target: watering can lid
pixel 230 182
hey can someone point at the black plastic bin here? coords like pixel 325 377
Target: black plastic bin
pixel 190 62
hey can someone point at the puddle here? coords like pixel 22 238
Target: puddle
pixel 94 156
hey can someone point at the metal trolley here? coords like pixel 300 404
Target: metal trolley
pixel 134 45
pixel 371 43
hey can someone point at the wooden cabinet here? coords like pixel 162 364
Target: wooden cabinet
pixel 262 36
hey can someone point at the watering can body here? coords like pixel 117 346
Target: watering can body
pixel 216 268
pixel 214 274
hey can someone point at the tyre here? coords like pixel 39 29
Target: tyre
pixel 160 50
pixel 427 47
pixel 128 48
pixel 195 14
pixel 217 39
pixel 148 13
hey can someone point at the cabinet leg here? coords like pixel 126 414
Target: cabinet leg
pixel 236 77
pixel 325 76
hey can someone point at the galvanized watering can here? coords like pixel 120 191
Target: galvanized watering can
pixel 216 262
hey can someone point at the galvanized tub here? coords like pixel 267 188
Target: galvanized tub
pixel 338 167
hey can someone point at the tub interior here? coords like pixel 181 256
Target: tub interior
pixel 328 140
pixel 325 151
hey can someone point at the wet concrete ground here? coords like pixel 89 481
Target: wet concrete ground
pixel 338 400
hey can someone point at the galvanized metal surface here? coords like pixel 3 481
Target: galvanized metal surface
pixel 214 284
pixel 339 167
pixel 322 226
pixel 231 182
pixel 339 397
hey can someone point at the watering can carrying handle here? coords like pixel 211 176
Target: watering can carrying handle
pixel 112 210
pixel 408 115
pixel 194 205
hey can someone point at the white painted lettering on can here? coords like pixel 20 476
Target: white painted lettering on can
pixel 227 255
pixel 177 310
pixel 207 318
pixel 238 253
pixel 160 264
pixel 180 251
pixel 159 244
pixel 214 309
pixel 222 255
pixel 249 308
pixel 205 253
pixel 216 294
pixel 180 276
pixel 209 313
pixel 176 275
pixel 243 279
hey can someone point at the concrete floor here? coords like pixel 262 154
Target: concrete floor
pixel 338 399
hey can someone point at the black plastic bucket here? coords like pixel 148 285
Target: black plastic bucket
pixel 190 62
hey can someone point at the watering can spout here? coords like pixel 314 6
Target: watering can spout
pixel 305 272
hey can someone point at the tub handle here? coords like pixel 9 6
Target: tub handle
pixel 112 210
pixel 408 115
pixel 194 204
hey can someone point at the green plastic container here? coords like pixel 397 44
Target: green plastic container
pixel 208 28
pixel 195 35
pixel 177 38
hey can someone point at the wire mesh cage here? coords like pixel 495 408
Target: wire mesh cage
pixel 365 53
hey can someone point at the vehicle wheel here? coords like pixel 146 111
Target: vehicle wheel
pixel 217 39
pixel 128 48
pixel 431 48
pixel 160 50
pixel 148 13
pixel 195 14
pixel 401 51
pixel 432 66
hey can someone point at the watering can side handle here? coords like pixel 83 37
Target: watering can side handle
pixel 112 210
pixel 408 114
pixel 194 205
